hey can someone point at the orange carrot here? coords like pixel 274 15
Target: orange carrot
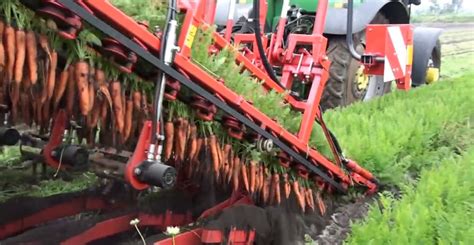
pixel 92 95
pixel 169 134
pixel 266 190
pixel 215 155
pixel 137 98
pixel 321 205
pixel 261 177
pixel 235 173
pixel 302 196
pixel 299 199
pixel 287 186
pixel 70 91
pixel 117 106
pixel 128 120
pixel 198 149
pixel 25 108
pixel 10 51
pixel 177 137
pixel 60 88
pixel 276 179
pixel 20 55
pixel 244 175
pixel 81 76
pixel 99 77
pixel 31 54
pixel 52 74
pixel 309 198
pixel 253 175
pixel 183 138
pixel 2 48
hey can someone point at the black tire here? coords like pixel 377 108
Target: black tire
pixel 340 89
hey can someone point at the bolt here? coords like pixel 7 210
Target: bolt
pixel 137 171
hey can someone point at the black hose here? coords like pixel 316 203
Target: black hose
pixel 266 63
pixel 170 15
pixel 349 40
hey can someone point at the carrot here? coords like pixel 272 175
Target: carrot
pixel 92 95
pixel 287 185
pixel 31 55
pixel 81 77
pixel 235 173
pixel 25 108
pixel 321 205
pixel 169 133
pixel 262 177
pixel 229 161
pixel 299 199
pixel 2 48
pixel 198 149
pixel 95 114
pixel 128 120
pixel 44 44
pixel 309 198
pixel 70 91
pixel 20 55
pixel 99 77
pixel 191 141
pixel 52 74
pixel 244 175
pixel 10 51
pixel 137 97
pixel 302 196
pixel 253 175
pixel 266 189
pixel 215 155
pixel 276 179
pixel 60 88
pixel 183 138
pixel 117 105
pixel 257 179
pixel 177 136
pixel 15 99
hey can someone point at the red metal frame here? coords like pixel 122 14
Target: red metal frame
pixel 314 67
pixel 55 139
pixel 65 209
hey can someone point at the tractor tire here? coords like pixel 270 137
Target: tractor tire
pixel 340 89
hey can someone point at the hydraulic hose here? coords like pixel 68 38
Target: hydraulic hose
pixel 349 40
pixel 261 50
pixel 170 15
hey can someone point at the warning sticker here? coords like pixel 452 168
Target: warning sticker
pixel 190 37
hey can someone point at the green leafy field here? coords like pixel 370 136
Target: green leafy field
pixel 444 18
pixel 388 135
pixel 437 210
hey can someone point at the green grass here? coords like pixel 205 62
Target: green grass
pixel 443 18
pixel 387 135
pixel 437 210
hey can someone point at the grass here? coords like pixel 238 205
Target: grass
pixel 437 210
pixel 387 134
pixel 443 18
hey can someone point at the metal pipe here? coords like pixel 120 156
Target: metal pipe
pixel 349 40
pixel 320 21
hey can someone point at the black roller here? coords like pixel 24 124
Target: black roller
pixel 156 174
pixel 9 136
pixel 72 155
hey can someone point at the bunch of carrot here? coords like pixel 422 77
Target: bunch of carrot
pixel 40 74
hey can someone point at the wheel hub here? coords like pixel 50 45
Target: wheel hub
pixel 361 79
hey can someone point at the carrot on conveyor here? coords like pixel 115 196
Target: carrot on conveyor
pixel 32 54
pixel 81 77
pixel 20 55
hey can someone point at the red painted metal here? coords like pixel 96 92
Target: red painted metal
pixel 192 237
pixel 236 198
pixel 121 223
pixel 139 155
pixel 107 12
pixel 382 45
pixel 68 208
pixel 55 139
pixel 297 63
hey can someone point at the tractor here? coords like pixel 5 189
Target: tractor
pixel 348 82
pixel 211 122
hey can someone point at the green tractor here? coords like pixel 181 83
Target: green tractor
pixel 347 82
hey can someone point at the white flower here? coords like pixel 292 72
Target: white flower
pixel 134 221
pixel 172 230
